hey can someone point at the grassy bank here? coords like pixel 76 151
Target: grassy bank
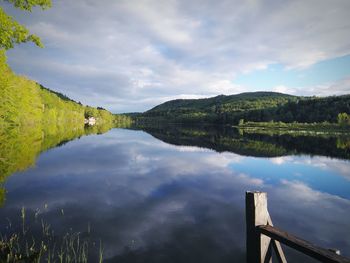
pixel 324 127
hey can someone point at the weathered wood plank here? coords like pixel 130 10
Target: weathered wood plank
pixel 279 252
pixel 277 246
pixel 258 246
pixel 301 245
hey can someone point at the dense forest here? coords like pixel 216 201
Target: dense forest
pixel 254 107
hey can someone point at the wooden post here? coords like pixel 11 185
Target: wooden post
pixel 258 246
pixel 262 237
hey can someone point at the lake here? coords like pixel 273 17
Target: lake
pixel 176 194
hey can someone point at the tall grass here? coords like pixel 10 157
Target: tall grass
pixel 35 241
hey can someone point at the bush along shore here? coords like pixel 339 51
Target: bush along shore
pixel 342 126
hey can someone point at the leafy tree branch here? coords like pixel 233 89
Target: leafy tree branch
pixel 12 32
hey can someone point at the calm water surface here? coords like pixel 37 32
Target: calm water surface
pixel 152 201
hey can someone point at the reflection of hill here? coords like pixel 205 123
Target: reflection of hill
pixel 20 146
pixel 253 144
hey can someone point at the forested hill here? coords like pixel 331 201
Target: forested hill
pixel 24 102
pixel 222 103
pixel 253 106
pixel 34 119
pixel 58 94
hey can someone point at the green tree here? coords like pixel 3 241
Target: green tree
pixel 343 119
pixel 12 32
pixel 91 112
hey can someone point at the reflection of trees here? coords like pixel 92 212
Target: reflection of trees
pixel 18 149
pixel 253 143
pixel 2 196
pixel 20 146
pixel 343 143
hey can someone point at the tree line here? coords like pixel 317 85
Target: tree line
pixel 253 107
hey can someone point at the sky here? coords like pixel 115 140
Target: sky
pixel 130 55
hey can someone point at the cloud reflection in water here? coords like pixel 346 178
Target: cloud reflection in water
pixel 162 203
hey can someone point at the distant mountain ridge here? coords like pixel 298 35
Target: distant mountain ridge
pixel 224 100
pixel 250 106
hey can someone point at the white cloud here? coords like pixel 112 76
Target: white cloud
pixel 284 89
pixel 280 160
pixel 341 167
pixel 336 88
pixel 339 87
pixel 119 53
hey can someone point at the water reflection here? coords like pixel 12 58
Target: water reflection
pixel 259 143
pixel 150 201
pixel 21 145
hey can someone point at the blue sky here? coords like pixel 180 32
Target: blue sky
pixel 130 55
pixel 328 71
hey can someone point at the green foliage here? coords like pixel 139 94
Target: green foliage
pixel 220 109
pixel 255 106
pixel 90 112
pixel 343 143
pixel 295 126
pixel 225 104
pixel 21 145
pixel 19 97
pixel 103 116
pixel 58 94
pixel 2 196
pixel 12 32
pixel 306 110
pixel 34 119
pixel 24 102
pixel 29 4
pixel 122 120
pixel 343 119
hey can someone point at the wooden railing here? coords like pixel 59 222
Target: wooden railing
pixel 263 237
